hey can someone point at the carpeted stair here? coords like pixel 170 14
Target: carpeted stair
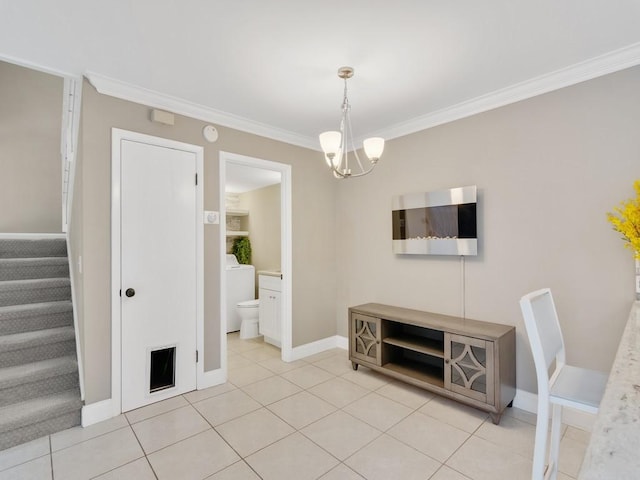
pixel 39 388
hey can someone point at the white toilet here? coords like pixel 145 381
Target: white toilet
pixel 242 309
pixel 248 312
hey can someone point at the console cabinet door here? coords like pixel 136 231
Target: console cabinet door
pixel 365 338
pixel 469 367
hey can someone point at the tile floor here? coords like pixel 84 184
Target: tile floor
pixel 311 419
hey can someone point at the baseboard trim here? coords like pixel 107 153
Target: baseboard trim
pixel 319 346
pixel 343 342
pixel 97 412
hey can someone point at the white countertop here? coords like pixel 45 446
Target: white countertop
pixel 270 273
pixel 614 448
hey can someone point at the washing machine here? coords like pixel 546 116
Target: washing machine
pixel 241 282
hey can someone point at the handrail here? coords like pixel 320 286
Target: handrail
pixel 71 103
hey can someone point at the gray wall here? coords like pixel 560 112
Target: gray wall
pixel 547 171
pixel 263 224
pixel 313 228
pixel 30 162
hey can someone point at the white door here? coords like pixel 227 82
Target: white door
pixel 158 208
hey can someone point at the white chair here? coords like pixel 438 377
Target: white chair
pixel 565 386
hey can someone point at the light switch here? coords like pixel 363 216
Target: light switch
pixel 211 217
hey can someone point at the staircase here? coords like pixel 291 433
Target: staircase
pixel 39 389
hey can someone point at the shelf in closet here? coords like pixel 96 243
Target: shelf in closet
pixel 237 233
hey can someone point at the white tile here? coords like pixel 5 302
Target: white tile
pixel 429 436
pixel 326 354
pixel 199 395
pixel 138 470
pixel 340 434
pixel 237 361
pixel 240 346
pixel 276 365
pixel 271 390
pixel 194 458
pixel 226 406
pixel 571 456
pixel 69 437
pixel 23 453
pixel 96 456
pixel 520 414
pixel 294 457
pixel 237 471
pixel 341 472
pixel 38 469
pixel 253 431
pixel 307 376
pixel 511 434
pixel 446 473
pixel 578 435
pixel 245 375
pixel 336 364
pixel 301 409
pixel 154 409
pixel 386 458
pixel 168 428
pixel 367 378
pixel 454 413
pixel 407 395
pixel 263 353
pixel 480 459
pixel 339 392
pixel 378 411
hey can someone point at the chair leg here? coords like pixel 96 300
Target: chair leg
pixel 554 449
pixel 540 449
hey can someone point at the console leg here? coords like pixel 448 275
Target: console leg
pixel 495 418
pixel 354 365
pixel 510 404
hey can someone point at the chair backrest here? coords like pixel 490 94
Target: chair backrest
pixel 545 336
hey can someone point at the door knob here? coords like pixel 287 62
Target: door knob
pixel 130 292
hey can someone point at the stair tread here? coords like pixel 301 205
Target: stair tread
pixel 38 409
pixel 29 309
pixel 32 247
pixel 22 340
pixel 31 372
pixel 34 261
pixel 10 285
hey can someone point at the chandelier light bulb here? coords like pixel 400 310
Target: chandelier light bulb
pixel 373 148
pixel 338 145
pixel 330 142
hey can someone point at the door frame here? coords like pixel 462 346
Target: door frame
pixel 117 135
pixel 285 249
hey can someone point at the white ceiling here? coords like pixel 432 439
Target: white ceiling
pixel 243 178
pixel 270 66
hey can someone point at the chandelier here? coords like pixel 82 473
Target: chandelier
pixel 336 149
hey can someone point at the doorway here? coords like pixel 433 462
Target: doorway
pixel 231 161
pixel 156 268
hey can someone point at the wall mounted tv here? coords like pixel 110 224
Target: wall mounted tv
pixel 442 222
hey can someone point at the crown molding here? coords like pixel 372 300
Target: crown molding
pixel 596 67
pixel 151 98
pixel 37 67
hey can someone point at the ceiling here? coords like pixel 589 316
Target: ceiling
pixel 269 67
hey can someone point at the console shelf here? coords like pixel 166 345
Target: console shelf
pixel 416 344
pixel 466 360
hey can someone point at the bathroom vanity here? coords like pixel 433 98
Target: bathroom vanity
pixel 466 360
pixel 269 293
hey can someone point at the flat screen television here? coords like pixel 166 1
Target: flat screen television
pixel 442 222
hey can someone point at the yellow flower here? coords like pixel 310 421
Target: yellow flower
pixel 628 221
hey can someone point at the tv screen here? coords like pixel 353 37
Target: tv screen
pixel 442 222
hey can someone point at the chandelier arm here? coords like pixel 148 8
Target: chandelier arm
pixel 342 170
